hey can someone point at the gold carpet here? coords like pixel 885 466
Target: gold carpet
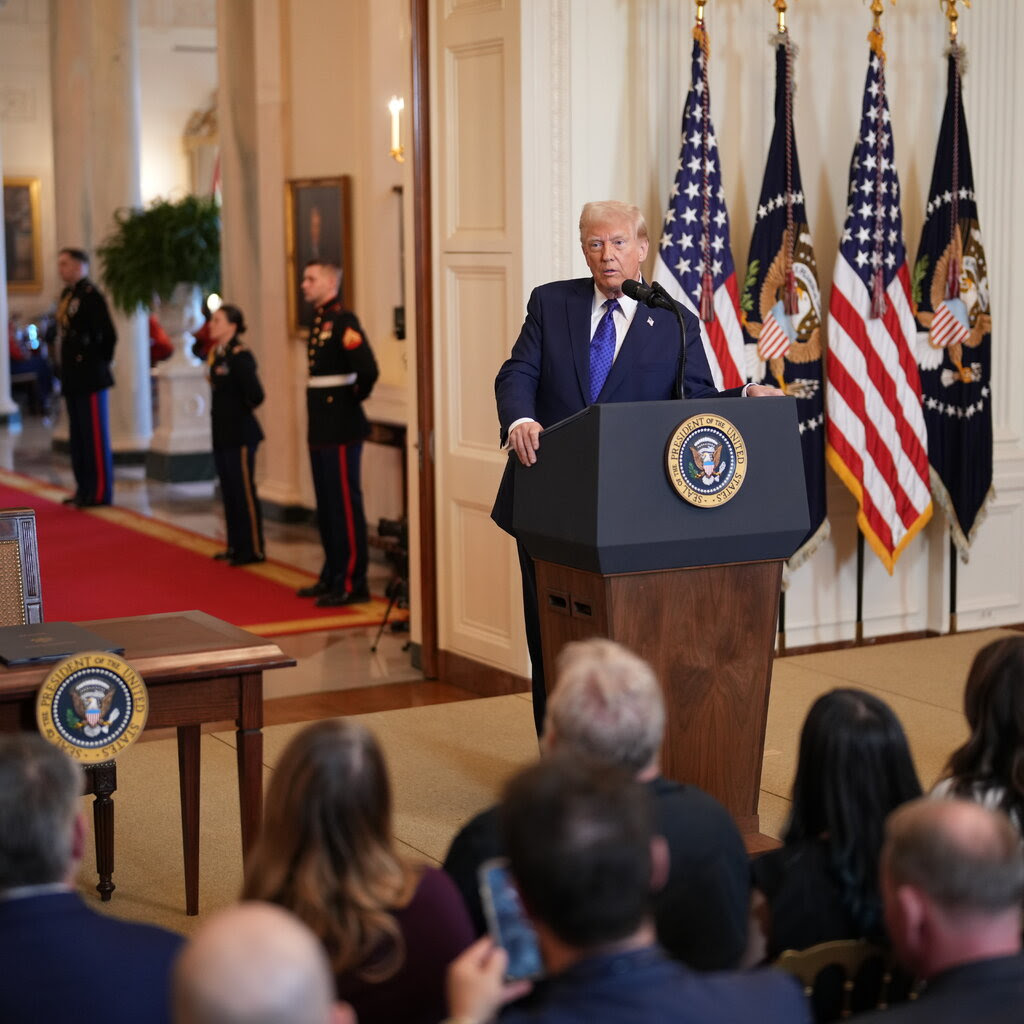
pixel 448 761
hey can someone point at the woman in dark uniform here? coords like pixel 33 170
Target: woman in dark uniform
pixel 236 434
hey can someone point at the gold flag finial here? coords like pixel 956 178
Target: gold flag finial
pixel 780 10
pixel 700 11
pixel 953 15
pixel 875 36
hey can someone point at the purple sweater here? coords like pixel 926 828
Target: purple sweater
pixel 436 929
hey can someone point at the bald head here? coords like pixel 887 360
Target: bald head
pixel 952 883
pixel 254 963
pixel 964 856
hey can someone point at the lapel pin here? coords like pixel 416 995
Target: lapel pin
pixel 650 321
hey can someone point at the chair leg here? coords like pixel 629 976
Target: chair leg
pixel 104 784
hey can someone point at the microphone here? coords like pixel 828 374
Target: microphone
pixel 652 295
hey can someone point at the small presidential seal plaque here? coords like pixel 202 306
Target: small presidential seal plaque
pixel 92 705
pixel 706 460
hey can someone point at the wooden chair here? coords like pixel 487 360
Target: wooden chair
pixel 21 603
pixel 846 977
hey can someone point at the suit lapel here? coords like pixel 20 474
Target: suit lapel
pixel 647 325
pixel 578 306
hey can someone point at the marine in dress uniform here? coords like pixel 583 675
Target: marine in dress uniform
pixel 236 391
pixel 85 348
pixel 342 372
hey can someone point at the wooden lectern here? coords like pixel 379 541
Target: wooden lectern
pixel 693 590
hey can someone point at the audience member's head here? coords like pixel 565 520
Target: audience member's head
pixel 854 767
pixel 326 850
pixel 578 837
pixel 255 964
pixel 993 756
pixel 953 883
pixel 607 705
pixel 40 823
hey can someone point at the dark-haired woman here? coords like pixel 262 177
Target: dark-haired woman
pixel 236 391
pixel 854 767
pixel 326 853
pixel 989 767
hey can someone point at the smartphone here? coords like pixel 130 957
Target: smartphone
pixel 507 921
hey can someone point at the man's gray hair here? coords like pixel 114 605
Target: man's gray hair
pixel 967 858
pixel 612 209
pixel 607 704
pixel 39 792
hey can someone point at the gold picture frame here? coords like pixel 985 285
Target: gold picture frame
pixel 22 235
pixel 319 226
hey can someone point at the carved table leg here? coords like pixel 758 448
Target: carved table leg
pixel 103 783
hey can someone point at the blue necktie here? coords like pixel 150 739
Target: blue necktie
pixel 602 349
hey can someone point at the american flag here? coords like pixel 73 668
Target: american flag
pixel 875 432
pixel 695 236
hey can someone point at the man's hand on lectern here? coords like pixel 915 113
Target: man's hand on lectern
pixel 524 439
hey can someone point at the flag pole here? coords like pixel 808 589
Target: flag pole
pixel 953 553
pixel 876 40
pixel 858 635
pixel 780 10
pixel 953 16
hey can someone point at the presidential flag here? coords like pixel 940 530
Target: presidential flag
pixel 781 301
pixel 875 433
pixel 954 324
pixel 694 262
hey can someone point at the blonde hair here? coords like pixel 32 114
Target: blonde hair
pixel 606 705
pixel 326 851
pixel 612 209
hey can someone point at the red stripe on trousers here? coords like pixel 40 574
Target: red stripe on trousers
pixel 350 524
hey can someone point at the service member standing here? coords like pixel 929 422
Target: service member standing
pixel 342 372
pixel 236 392
pixel 85 348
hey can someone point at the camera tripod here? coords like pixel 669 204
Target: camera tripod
pixel 397 593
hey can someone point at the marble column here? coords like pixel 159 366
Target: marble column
pixel 96 101
pixel 9 414
pixel 252 114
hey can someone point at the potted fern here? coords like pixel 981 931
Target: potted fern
pixel 164 258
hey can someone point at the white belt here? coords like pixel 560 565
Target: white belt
pixel 337 380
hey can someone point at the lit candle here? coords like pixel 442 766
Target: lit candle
pixel 396 105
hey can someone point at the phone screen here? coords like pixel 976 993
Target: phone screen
pixel 507 921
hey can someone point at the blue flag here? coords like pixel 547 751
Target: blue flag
pixel 781 302
pixel 950 290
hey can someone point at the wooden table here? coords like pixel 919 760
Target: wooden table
pixel 197 669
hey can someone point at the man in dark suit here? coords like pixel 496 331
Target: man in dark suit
pixel 952 884
pixel 62 960
pixel 584 341
pixel 608 707
pixel 342 372
pixel 584 860
pixel 85 349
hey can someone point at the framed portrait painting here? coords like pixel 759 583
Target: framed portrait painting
pixel 22 244
pixel 319 227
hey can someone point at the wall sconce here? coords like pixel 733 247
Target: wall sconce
pixel 396 105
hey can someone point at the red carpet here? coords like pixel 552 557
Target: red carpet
pixel 104 563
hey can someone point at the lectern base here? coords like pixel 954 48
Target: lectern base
pixel 709 633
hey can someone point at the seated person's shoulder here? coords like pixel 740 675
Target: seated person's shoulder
pixel 766 994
